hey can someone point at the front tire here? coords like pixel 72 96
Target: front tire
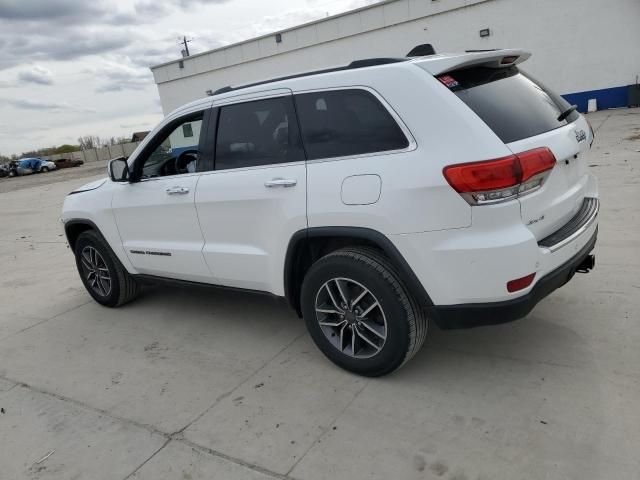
pixel 359 313
pixel 44 169
pixel 102 274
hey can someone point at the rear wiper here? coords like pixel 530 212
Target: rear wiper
pixel 567 112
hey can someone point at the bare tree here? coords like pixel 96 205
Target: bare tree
pixel 89 141
pixel 116 141
pixel 93 141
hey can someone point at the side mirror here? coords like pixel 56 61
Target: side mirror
pixel 118 169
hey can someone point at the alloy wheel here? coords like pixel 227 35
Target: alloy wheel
pixel 95 271
pixel 351 317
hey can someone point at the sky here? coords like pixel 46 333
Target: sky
pixel 70 68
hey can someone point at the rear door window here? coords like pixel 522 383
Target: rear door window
pixel 513 104
pixel 262 132
pixel 341 123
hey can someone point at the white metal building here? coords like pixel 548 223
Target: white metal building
pixel 581 48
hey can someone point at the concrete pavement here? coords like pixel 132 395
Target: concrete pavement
pixel 197 383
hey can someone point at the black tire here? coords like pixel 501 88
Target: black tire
pixel 405 321
pixel 123 287
pixel 44 169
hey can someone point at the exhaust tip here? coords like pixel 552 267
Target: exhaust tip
pixel 587 264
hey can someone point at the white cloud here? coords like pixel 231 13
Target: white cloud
pixel 36 74
pixel 43 106
pixel 94 56
pixel 112 76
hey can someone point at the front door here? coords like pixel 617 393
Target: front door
pixel 156 214
pixel 255 199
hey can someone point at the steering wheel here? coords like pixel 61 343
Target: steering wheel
pixel 184 159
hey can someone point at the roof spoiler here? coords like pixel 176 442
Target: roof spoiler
pixel 487 58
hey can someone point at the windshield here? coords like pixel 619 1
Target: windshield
pixel 510 102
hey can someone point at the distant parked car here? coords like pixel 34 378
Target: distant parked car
pixel 23 167
pixel 67 162
pixel 4 170
pixel 47 166
pixel 27 166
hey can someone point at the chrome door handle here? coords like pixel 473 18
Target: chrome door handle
pixel 281 182
pixel 177 190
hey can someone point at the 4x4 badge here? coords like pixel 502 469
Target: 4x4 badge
pixel 581 136
pixel 535 220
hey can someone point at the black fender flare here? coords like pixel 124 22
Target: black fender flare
pixel 82 221
pixel 413 284
pixel 92 226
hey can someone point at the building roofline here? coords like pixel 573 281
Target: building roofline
pixel 267 35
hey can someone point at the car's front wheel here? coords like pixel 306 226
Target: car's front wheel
pixel 44 169
pixel 102 274
pixel 359 313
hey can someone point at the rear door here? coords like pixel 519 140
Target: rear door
pixel 255 199
pixel 525 115
pixel 364 168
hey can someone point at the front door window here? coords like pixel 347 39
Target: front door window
pixel 177 153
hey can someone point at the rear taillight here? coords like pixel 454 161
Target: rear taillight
pixel 502 179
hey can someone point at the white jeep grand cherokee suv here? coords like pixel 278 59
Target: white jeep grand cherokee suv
pixel 372 197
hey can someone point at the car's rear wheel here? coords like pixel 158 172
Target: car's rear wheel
pixel 359 313
pixel 102 274
pixel 44 169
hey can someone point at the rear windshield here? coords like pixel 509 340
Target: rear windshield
pixel 511 102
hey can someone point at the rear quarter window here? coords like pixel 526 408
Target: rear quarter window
pixel 513 104
pixel 341 123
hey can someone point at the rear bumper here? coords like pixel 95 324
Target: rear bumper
pixel 479 314
pixel 581 221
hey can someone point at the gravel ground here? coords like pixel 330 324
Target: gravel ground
pixel 64 174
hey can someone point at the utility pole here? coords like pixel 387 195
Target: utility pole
pixel 185 42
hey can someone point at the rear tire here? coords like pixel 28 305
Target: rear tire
pixel 102 274
pixel 356 292
pixel 44 169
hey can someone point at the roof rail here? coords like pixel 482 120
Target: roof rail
pixel 372 62
pixel 367 62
